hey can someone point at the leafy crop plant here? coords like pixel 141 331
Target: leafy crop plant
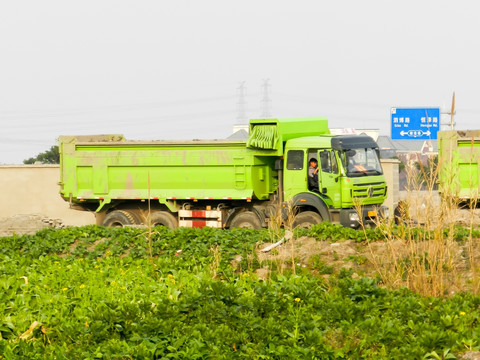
pixel 92 293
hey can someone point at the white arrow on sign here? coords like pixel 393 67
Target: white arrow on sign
pixel 415 133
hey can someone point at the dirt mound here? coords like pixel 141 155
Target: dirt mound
pixel 319 256
pixel 425 206
pixel 27 224
pixel 370 259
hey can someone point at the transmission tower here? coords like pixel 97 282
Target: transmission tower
pixel 241 103
pixel 265 103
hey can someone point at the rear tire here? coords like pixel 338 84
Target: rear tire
pixel 306 220
pixel 120 218
pixel 163 218
pixel 246 220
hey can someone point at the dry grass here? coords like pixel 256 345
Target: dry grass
pixel 432 261
pixel 279 228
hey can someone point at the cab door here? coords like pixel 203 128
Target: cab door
pixel 329 177
pixel 295 173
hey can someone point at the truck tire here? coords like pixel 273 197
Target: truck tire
pixel 246 220
pixel 120 218
pixel 163 218
pixel 306 219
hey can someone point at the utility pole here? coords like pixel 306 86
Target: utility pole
pixel 452 113
pixel 447 116
pixel 241 103
pixel 266 101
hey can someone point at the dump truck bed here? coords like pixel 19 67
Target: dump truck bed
pixel 110 167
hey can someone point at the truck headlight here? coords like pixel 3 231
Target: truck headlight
pixel 353 216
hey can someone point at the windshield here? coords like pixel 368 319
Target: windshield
pixel 361 162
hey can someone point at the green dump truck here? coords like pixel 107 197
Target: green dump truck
pixel 226 183
pixel 459 165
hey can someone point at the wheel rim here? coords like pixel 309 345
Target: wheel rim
pixel 246 225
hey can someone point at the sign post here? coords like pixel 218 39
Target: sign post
pixel 415 123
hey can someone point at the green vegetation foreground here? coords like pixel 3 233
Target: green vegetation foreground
pixel 99 293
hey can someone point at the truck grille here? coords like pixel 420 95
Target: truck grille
pixel 369 190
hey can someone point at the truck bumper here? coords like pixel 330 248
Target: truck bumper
pixel 370 215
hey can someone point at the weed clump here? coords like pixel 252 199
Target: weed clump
pixel 429 262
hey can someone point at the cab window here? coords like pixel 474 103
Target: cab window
pixel 328 162
pixel 295 160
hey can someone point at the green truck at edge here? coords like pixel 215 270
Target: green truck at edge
pixel 227 183
pixel 459 165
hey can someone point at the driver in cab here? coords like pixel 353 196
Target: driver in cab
pixel 313 175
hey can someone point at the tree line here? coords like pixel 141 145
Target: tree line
pixel 50 156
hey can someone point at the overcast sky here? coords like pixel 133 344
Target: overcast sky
pixel 170 69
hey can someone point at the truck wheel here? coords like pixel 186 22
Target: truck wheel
pixel 306 220
pixel 120 218
pixel 246 220
pixel 163 218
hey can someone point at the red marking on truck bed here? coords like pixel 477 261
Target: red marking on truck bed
pixel 199 223
pixel 198 214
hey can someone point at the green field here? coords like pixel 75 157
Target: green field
pixel 99 293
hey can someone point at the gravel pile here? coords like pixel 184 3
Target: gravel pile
pixel 27 224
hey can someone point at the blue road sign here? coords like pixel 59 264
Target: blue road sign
pixel 415 123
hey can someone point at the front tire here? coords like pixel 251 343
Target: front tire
pixel 246 220
pixel 306 220
pixel 120 218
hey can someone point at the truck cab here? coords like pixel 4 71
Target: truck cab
pixel 349 186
